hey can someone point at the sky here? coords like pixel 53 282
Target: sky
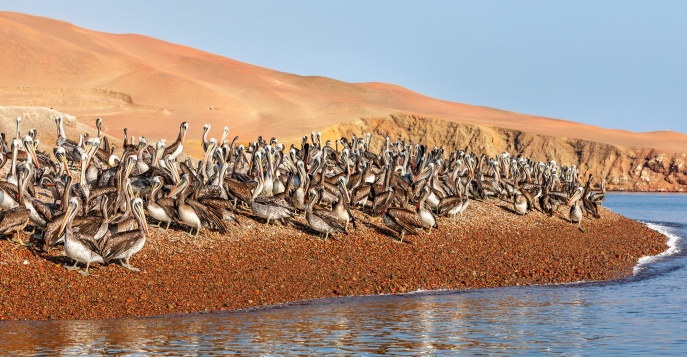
pixel 614 64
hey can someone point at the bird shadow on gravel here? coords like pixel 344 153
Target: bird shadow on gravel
pixel 384 231
pixel 506 208
pixel 56 259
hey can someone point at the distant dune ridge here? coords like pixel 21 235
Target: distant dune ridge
pixel 151 86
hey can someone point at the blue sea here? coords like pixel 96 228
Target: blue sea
pixel 644 315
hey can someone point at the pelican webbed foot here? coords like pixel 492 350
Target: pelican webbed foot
pixel 72 267
pixel 126 264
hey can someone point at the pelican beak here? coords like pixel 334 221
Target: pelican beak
pixel 63 159
pixel 158 157
pixel 344 191
pixel 176 188
pixel 129 167
pixel 574 197
pixel 421 174
pixel 32 151
pixel 139 207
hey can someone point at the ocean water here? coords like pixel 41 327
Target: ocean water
pixel 643 315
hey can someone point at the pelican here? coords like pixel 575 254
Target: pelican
pixel 178 146
pixel 14 219
pixel 599 197
pixel 125 244
pixel 322 220
pixel 162 210
pixel 191 212
pixel 78 246
pixel 426 216
pixel 575 208
pixel 520 203
pixel 269 207
pixel 206 129
pixel 402 221
pixel 341 208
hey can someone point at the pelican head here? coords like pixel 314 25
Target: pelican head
pixel 424 173
pixel 183 181
pixel 182 130
pixel 576 196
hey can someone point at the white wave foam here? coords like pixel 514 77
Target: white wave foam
pixel 672 244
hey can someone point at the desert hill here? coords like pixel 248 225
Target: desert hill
pixel 151 86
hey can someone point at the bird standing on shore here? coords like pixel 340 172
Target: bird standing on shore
pixel 80 247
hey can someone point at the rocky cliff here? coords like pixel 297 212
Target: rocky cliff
pixel 625 168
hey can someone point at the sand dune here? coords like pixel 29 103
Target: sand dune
pixel 150 86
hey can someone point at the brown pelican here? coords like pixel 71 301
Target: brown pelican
pixel 402 221
pixel 426 216
pixel 12 174
pixel 322 220
pixel 125 244
pixel 191 212
pixel 298 196
pixel 160 209
pixel 206 129
pixel 575 208
pixel 14 219
pixel 453 205
pixel 429 173
pixel 341 208
pixel 78 246
pixel 178 146
pixel 269 207
pixel 599 197
pixel 40 211
pixel 521 204
pixel 589 206
pixel 93 226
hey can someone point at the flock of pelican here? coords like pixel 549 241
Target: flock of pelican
pixel 97 204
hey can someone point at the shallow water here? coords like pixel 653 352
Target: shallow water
pixel 643 315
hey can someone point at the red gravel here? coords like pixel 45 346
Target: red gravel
pixel 257 265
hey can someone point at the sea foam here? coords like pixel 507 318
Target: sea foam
pixel 672 244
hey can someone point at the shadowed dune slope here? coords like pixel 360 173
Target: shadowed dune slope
pixel 150 86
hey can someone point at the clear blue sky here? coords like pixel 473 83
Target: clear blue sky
pixel 615 64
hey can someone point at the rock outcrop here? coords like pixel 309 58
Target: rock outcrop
pixel 625 168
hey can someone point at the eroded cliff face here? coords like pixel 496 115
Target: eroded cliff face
pixel 631 169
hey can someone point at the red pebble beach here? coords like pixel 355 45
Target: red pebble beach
pixel 259 265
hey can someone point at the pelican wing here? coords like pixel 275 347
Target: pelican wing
pixel 449 202
pixel 87 242
pixel 330 218
pixel 167 205
pixel 11 189
pixel 117 244
pixel 409 220
pixel 275 201
pixel 14 217
pixel 220 204
pixel 43 209
pixel 210 215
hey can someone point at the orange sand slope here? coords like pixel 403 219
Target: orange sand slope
pixel 151 86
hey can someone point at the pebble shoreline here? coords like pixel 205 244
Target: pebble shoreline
pixel 258 265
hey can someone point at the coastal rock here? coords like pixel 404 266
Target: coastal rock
pixel 624 168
